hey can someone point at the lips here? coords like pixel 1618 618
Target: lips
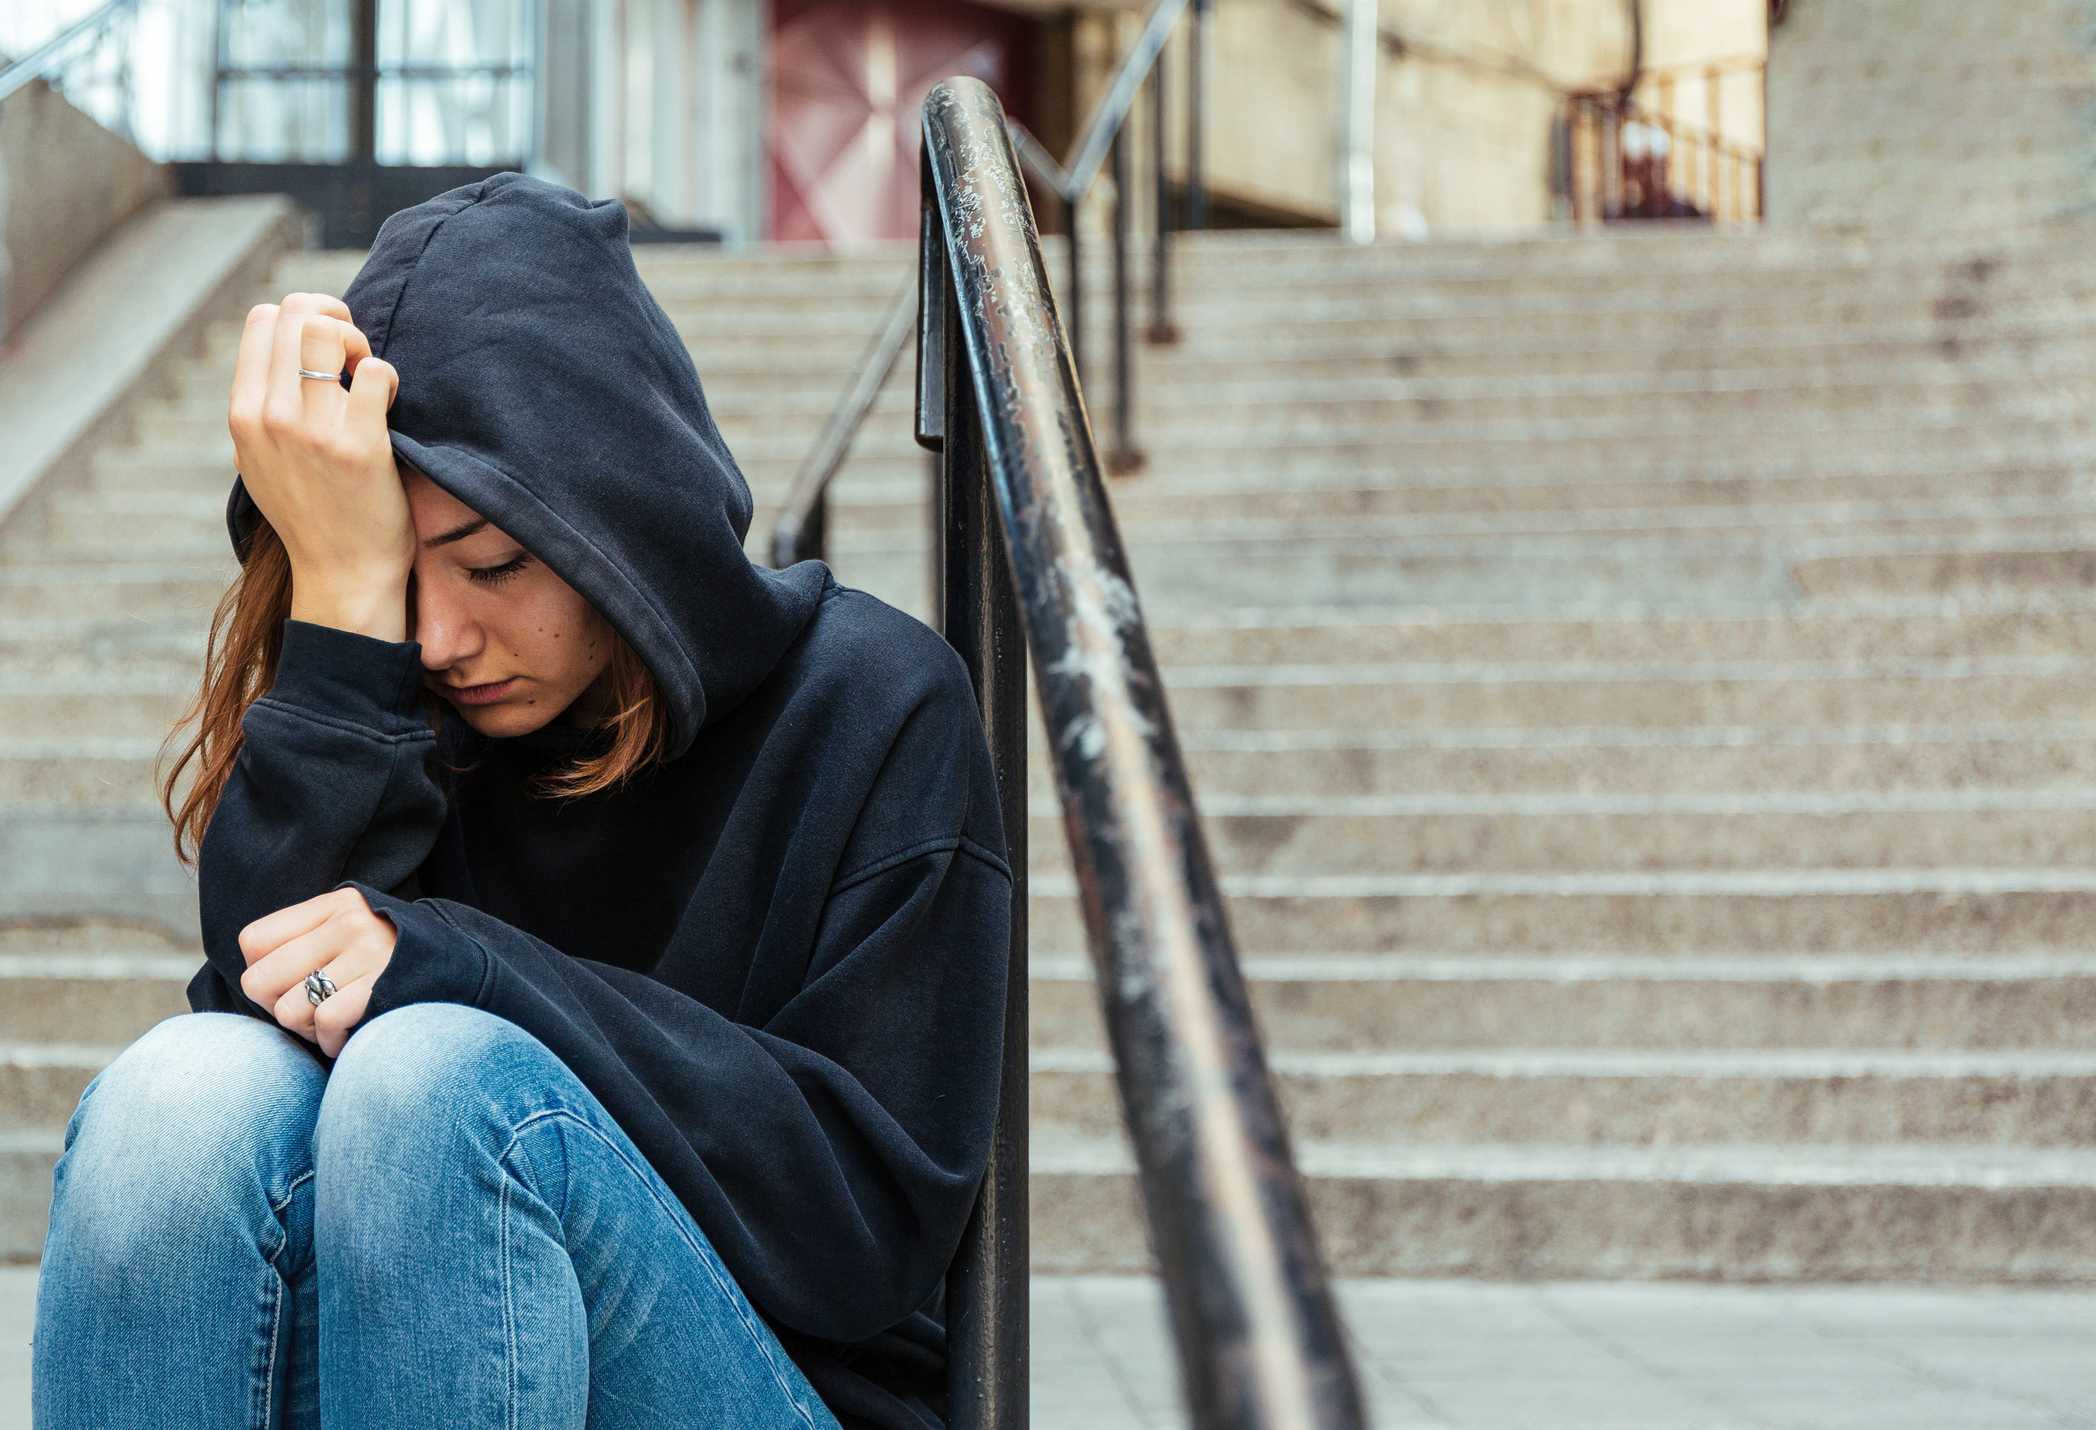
pixel 478 694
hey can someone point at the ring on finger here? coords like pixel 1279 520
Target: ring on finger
pixel 319 987
pixel 320 376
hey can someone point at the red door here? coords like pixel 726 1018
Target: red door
pixel 848 84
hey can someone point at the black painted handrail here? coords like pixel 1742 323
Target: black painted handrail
pixel 1033 562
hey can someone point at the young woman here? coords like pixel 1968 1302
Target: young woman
pixel 606 936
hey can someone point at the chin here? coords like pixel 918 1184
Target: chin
pixel 502 721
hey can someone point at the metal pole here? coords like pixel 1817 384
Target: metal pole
pixel 1162 329
pixel 1259 1339
pixel 986 1305
pixel 1073 314
pixel 1124 458
pixel 1196 100
pixel 1357 176
pixel 218 69
pixel 363 83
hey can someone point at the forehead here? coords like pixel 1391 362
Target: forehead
pixel 435 510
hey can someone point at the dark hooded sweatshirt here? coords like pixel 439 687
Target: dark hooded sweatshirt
pixel 778 957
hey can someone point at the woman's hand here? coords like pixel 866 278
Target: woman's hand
pixel 319 465
pixel 336 932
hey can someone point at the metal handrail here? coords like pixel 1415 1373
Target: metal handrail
pixel 1072 180
pixel 803 522
pixel 39 62
pixel 1033 562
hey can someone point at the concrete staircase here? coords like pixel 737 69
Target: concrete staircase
pixel 1931 114
pixel 1641 689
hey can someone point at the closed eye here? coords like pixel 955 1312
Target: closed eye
pixel 492 575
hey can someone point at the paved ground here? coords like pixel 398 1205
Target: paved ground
pixel 1562 1357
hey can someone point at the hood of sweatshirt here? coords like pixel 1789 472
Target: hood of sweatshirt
pixel 542 385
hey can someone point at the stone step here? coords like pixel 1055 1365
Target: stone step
pixel 1830 1001
pixel 79 774
pixel 1308 482
pixel 876 494
pixel 1628 694
pixel 1706 760
pixel 60 864
pixel 102 996
pixel 1655 319
pixel 1715 762
pixel 176 524
pixel 1638 1098
pixel 1270 256
pixel 1282 454
pixel 1741 1213
pixel 2031 201
pixel 1984 456
pixel 1963 910
pixel 1714 499
pixel 1217 264
pixel 41 1081
pixel 67 709
pixel 1191 578
pixel 1443 833
pixel 1744 1213
pixel 146 594
pixel 2048 624
pixel 1945 344
pixel 1259 395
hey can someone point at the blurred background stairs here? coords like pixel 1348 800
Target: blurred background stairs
pixel 1638 687
pixel 1931 114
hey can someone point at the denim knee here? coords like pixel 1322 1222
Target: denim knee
pixel 409 1081
pixel 206 1115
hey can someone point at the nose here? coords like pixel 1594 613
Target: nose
pixel 443 622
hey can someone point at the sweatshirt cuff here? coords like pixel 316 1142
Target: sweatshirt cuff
pixel 433 962
pixel 342 676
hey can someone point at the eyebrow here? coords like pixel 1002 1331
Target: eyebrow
pixel 457 533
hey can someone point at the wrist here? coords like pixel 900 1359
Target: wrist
pixel 373 605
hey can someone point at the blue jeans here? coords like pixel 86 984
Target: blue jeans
pixel 446 1229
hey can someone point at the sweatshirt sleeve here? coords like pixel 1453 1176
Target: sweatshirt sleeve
pixel 832 1154
pixel 331 784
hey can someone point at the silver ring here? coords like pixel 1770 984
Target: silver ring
pixel 319 987
pixel 320 376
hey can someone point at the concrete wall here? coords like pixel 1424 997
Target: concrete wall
pixel 65 184
pixel 1463 131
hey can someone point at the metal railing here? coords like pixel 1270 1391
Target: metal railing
pixel 1101 143
pixel 1032 562
pixel 801 530
pixel 62 49
pixel 1629 161
pixel 803 523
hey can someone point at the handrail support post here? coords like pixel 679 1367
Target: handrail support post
pixel 1125 457
pixel 1196 106
pixel 1162 328
pixel 987 1288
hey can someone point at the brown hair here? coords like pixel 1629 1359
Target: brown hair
pixel 240 665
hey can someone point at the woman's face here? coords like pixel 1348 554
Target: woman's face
pixel 507 642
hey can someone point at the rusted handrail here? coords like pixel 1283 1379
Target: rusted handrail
pixel 1034 563
pixel 803 523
